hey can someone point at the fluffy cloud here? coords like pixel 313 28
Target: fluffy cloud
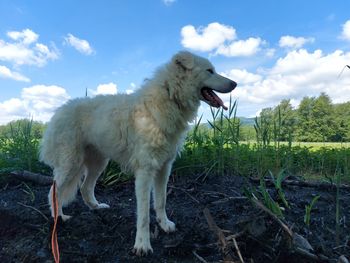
pixel 220 39
pixel 296 75
pixel 206 38
pixel 294 42
pixel 27 36
pixel 131 88
pixel 346 30
pixel 7 73
pixel 238 48
pixel 242 76
pixel 81 45
pixel 23 49
pixel 104 89
pixel 38 102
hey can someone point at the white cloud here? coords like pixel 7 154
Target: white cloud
pixel 296 75
pixel 104 89
pixel 7 73
pixel 131 88
pixel 346 30
pixel 242 76
pixel 168 2
pixel 27 36
pixel 38 102
pixel 247 47
pixel 206 38
pixel 294 42
pixel 25 50
pixel 81 45
pixel 219 39
pixel 270 52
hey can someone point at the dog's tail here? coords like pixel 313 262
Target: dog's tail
pixel 67 184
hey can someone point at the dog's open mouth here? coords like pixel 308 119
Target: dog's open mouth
pixel 212 99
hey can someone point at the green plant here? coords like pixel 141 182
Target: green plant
pixel 261 194
pixel 113 175
pixel 20 147
pixel 308 208
pixel 268 201
pixel 278 185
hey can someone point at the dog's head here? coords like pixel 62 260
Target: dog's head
pixel 203 78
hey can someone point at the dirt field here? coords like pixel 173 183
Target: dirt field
pixel 232 224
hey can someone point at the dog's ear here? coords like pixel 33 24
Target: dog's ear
pixel 184 59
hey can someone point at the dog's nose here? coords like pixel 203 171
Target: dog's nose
pixel 233 85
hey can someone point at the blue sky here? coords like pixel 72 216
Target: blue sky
pixel 51 51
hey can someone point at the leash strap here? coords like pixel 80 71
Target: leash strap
pixel 54 243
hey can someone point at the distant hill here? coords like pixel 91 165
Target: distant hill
pixel 243 120
pixel 247 121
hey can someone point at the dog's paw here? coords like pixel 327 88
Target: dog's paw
pixel 65 217
pixel 102 206
pixel 142 248
pixel 167 225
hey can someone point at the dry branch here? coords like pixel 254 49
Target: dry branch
pixel 27 176
pixel 219 233
pixel 321 185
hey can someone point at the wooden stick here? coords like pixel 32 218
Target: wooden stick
pixel 32 177
pixel 213 227
pixel 237 249
pixel 31 207
pixel 321 185
pixel 199 257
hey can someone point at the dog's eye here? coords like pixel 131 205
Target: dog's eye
pixel 210 71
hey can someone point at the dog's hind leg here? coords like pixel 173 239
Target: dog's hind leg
pixel 95 163
pixel 159 197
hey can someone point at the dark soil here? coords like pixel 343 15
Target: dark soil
pixel 108 235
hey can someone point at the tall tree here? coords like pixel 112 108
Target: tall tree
pixel 285 119
pixel 306 123
pixel 322 114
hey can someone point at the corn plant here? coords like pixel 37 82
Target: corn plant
pixel 278 186
pixel 308 208
pixel 263 195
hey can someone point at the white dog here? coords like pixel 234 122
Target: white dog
pixel 142 132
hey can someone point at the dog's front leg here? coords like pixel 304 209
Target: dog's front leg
pixel 159 191
pixel 143 185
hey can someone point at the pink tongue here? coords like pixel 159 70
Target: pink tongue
pixel 219 101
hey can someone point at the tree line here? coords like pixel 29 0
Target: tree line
pixel 316 119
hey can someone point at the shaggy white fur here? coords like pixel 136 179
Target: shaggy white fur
pixel 142 132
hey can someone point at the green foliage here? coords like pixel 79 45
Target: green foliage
pixel 228 144
pixel 278 186
pixel 19 146
pixel 315 120
pixel 261 194
pixel 113 175
pixel 308 208
pixel 218 148
pixel 268 201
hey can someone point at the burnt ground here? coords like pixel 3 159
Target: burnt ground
pixel 108 235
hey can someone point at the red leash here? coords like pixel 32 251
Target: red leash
pixel 54 243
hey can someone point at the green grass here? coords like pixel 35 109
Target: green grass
pixel 218 150
pixel 213 148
